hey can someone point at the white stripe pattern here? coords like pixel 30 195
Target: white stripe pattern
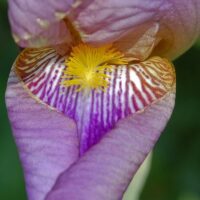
pixel 131 89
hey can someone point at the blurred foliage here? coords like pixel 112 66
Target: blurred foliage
pixel 11 178
pixel 175 173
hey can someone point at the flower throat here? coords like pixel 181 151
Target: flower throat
pixel 86 66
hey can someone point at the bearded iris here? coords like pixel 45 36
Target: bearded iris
pixel 92 91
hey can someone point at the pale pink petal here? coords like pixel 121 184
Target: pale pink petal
pixel 47 141
pixel 38 23
pixel 105 171
pixel 107 21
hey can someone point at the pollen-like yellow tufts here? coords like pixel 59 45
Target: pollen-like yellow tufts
pixel 87 66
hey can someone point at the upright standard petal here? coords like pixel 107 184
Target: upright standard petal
pixel 47 142
pixel 39 23
pixel 125 21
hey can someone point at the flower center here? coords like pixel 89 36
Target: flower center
pixel 87 66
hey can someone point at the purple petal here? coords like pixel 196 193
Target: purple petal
pixel 132 88
pixel 47 141
pixel 40 23
pixel 109 21
pixel 105 171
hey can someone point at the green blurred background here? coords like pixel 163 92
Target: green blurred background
pixel 175 172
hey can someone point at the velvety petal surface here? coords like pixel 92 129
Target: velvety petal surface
pixel 176 23
pixel 56 126
pixel 47 141
pixel 105 171
pixel 132 88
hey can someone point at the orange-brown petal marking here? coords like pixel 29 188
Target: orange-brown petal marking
pixel 131 88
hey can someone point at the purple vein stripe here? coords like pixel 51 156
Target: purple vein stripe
pixel 131 89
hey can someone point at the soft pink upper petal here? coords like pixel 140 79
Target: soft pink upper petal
pixel 105 171
pixel 38 23
pixel 47 141
pixel 111 20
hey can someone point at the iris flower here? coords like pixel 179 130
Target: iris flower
pixel 93 89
